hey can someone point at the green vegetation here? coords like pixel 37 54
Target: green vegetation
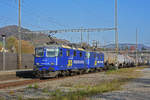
pixel 88 90
pixel 12 45
pixel 126 72
pixel 1 45
pixel 45 90
pixel 27 47
pixel 34 86
pixel 20 97
pixel 2 98
pixel 30 86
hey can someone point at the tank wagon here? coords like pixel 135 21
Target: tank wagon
pixel 122 60
pixel 55 60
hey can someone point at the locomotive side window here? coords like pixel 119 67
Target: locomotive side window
pixel 101 57
pixel 98 56
pixel 80 54
pixel 94 55
pixel 39 52
pixel 68 52
pixel 60 54
pixel 74 53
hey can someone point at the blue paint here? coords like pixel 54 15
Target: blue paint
pixel 67 59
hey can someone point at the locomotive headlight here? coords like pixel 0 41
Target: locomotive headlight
pixel 52 63
pixel 37 63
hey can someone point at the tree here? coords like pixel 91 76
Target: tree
pixel 1 45
pixel 27 47
pixel 11 43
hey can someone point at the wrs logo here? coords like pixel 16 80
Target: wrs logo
pixel 78 62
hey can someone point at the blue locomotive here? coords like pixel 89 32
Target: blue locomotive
pixel 54 60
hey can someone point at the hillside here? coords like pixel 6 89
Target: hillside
pixel 12 30
pixel 29 40
pixel 36 39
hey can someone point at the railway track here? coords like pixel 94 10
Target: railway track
pixel 23 82
pixel 17 83
pixel 8 77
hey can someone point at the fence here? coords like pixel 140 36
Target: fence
pixel 11 61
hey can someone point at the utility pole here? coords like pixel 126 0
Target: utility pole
pixel 81 36
pixel 136 47
pixel 116 31
pixel 19 57
pixel 104 44
pixel 3 49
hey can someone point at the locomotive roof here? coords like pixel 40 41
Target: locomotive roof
pixel 65 46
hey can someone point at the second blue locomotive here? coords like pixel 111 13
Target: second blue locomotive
pixel 53 60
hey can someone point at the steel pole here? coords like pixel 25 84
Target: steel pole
pixel 88 38
pixel 19 33
pixel 136 47
pixel 81 36
pixel 116 32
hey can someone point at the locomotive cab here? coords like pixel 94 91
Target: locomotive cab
pixel 45 58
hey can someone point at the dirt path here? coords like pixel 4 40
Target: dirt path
pixel 138 89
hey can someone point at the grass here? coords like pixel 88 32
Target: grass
pixel 2 98
pixel 126 72
pixel 35 86
pixel 89 91
pixel 29 86
pixel 66 85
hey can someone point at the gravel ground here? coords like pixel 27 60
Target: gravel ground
pixel 138 89
pixel 43 90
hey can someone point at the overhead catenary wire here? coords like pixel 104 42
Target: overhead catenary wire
pixel 73 30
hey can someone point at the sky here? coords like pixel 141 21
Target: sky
pixel 68 14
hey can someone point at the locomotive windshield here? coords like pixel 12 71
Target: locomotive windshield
pixel 51 52
pixel 39 52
